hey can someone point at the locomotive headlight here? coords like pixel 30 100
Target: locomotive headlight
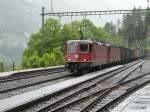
pixel 84 59
pixel 76 56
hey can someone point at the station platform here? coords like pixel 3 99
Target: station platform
pixel 137 102
pixel 18 100
pixel 5 74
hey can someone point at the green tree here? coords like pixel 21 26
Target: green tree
pixel 32 56
pixel 133 28
pixel 54 38
pixel 110 28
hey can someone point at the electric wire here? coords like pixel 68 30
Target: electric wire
pixel 103 4
pixel 129 3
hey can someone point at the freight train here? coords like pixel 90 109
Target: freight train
pixel 87 55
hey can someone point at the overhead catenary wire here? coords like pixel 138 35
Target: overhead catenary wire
pixel 51 4
pixel 129 3
pixel 65 5
pixel 103 4
pixel 148 4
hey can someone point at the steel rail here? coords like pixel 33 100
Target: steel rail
pixel 123 96
pixel 33 84
pixel 29 104
pixel 102 93
pixel 80 91
pixel 109 90
pixel 30 76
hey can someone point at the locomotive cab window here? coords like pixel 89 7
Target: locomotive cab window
pixel 71 48
pixel 84 48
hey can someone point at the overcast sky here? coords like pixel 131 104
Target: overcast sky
pixel 82 5
pixel 79 5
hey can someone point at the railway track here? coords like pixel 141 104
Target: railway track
pixel 23 83
pixel 108 96
pixel 30 74
pixel 17 85
pixel 75 95
pixel 113 102
pixel 81 104
pixel 35 83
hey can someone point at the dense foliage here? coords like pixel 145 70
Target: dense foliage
pixel 133 32
pixel 49 50
pixel 135 28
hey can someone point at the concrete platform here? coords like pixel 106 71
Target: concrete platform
pixel 15 101
pixel 5 74
pixel 137 102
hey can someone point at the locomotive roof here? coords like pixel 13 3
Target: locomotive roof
pixel 79 41
pixel 87 41
pixel 97 42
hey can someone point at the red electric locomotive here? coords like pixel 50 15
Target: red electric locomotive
pixel 83 55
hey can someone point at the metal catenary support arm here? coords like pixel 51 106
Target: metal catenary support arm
pixel 90 13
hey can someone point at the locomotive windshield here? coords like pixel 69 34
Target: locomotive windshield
pixel 84 47
pixel 75 47
pixel 71 47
